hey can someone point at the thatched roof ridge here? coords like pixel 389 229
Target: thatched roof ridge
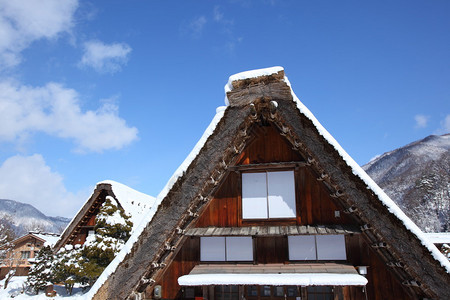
pixel 265 99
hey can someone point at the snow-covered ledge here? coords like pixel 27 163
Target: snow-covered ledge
pixel 303 279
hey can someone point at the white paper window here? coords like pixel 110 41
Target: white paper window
pixel 254 196
pixel 236 248
pixel 268 195
pixel 212 248
pixel 331 247
pixel 302 247
pixel 281 194
pixel 239 248
pixel 317 247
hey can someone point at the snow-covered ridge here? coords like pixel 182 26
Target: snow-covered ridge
pixel 439 237
pixel 25 217
pixel 135 203
pixel 50 239
pixel 357 170
pixel 246 75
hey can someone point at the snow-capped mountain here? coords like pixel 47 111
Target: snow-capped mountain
pixel 417 178
pixel 25 217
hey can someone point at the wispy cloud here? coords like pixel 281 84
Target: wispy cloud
pixel 217 14
pixel 56 111
pixel 421 121
pixel 194 28
pixel 25 21
pixel 445 125
pixel 29 179
pixel 227 27
pixel 105 58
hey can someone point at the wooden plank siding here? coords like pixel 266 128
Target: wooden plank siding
pixel 184 262
pixel 382 284
pixel 314 206
pixel 313 202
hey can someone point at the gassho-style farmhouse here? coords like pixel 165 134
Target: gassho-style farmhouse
pixel 266 206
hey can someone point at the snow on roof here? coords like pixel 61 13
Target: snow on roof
pixel 438 237
pixel 220 111
pixel 384 198
pixel 357 170
pixel 135 203
pixel 150 213
pixel 50 239
pixel 303 279
pixel 247 75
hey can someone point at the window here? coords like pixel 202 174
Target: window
pixel 330 247
pixel 252 291
pixel 317 247
pixel 302 247
pixel 24 254
pixel 226 292
pixel 265 291
pixel 320 292
pixel 268 195
pixel 230 248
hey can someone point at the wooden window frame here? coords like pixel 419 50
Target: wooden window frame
pixel 316 248
pixel 226 261
pixel 266 168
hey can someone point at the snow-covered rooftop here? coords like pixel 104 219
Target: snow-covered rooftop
pixel 303 279
pixel 357 170
pixel 50 239
pixel 135 203
pixel 438 237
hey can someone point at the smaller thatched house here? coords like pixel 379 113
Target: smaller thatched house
pixel 134 203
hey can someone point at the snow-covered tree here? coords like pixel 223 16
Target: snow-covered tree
pixel 446 250
pixel 112 230
pixel 66 266
pixel 40 274
pixel 7 248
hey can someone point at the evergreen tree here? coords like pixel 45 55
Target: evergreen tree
pixel 112 230
pixel 66 266
pixel 446 250
pixel 40 274
pixel 7 252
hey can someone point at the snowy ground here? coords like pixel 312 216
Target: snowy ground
pixel 16 290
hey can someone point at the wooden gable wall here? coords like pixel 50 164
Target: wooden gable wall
pixel 87 222
pixel 315 206
pixel 314 203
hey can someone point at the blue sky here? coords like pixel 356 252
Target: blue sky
pixel 122 90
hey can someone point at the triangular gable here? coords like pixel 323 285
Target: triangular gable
pixel 267 97
pixel 134 203
pixel 26 237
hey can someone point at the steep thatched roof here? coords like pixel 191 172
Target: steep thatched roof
pixel 131 201
pixel 266 97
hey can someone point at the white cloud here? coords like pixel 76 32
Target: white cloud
pixel 28 179
pixel 218 15
pixel 445 125
pixel 105 58
pixel 195 27
pixel 227 28
pixel 421 121
pixel 55 110
pixel 25 21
